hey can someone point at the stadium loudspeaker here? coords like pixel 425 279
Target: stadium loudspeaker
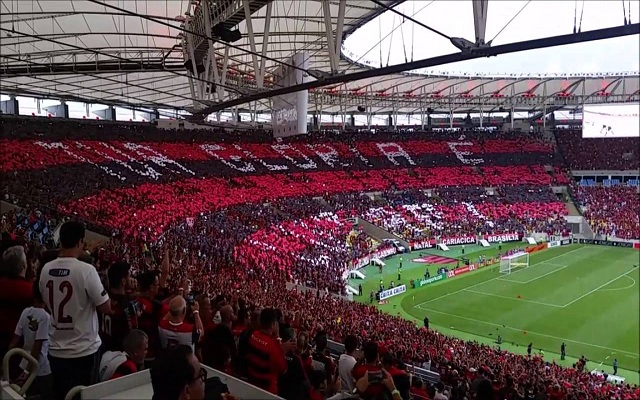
pixel 390 120
pixel 225 34
pixel 239 118
pixel 361 109
pixel 429 110
pixel 189 66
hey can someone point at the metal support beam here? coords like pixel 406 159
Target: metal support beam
pixel 252 39
pixel 480 19
pixel 342 5
pixel 265 45
pixel 331 44
pixel 627 30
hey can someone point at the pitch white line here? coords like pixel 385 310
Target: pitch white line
pixel 599 287
pixel 559 267
pixel 622 288
pixel 496 278
pixel 628 353
pixel 548 273
pixel 513 298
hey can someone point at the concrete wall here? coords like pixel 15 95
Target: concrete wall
pixel 379 233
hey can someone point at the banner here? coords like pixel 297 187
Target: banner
pixel 385 294
pixel 557 243
pixel 433 279
pixel 461 270
pixel 423 244
pixel 606 243
pixel 452 241
pixel 360 262
pixel 503 237
pixel 384 253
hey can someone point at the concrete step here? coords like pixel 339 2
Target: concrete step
pixel 571 207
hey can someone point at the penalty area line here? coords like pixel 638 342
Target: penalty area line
pixel 628 353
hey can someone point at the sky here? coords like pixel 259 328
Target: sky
pixel 389 39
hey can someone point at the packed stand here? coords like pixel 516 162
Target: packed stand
pixel 612 211
pixel 139 180
pixel 469 210
pixel 621 154
pixel 230 318
pixel 177 292
pixel 31 223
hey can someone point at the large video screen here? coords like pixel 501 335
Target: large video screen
pixel 611 121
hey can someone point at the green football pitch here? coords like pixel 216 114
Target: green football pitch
pixel 584 296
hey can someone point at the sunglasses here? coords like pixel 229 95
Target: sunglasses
pixel 202 375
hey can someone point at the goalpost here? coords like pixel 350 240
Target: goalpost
pixel 514 261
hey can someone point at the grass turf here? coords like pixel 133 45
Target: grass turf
pixel 585 296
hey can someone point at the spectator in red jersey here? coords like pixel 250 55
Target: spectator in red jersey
pixel 243 345
pixel 151 310
pixel 124 312
pixel 387 384
pixel 206 312
pixel 265 353
pixel 372 369
pixel 174 330
pixel 116 364
pixel 400 377
pixel 16 293
pixel 176 374
pixel 417 389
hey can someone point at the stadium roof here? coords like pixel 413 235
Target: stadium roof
pixel 133 52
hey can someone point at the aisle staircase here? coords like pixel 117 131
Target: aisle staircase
pixel 572 208
pixel 378 233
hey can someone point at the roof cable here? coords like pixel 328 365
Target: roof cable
pixel 575 14
pixel 581 15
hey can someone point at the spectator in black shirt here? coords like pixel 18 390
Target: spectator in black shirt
pixel 219 344
pixel 294 384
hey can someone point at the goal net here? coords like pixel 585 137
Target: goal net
pixel 513 262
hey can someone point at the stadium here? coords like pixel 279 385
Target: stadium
pixel 320 199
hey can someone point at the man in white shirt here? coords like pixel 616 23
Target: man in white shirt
pixel 72 291
pixel 33 330
pixel 346 363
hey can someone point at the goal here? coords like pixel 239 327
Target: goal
pixel 514 261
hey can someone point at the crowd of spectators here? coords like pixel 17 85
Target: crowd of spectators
pixel 619 154
pixel 211 302
pixel 141 191
pixel 612 211
pixel 470 210
pixel 196 271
